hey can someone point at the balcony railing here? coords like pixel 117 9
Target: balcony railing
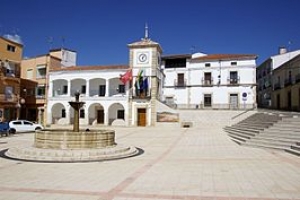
pixel 297 78
pixel 288 82
pixel 207 82
pixel 277 86
pixel 8 98
pixel 233 81
pixel 181 83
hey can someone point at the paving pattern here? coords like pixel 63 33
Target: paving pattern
pixel 177 163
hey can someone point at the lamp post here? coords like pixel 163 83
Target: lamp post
pixel 18 106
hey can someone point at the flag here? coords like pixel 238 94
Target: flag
pixel 139 80
pixel 126 77
pixel 145 83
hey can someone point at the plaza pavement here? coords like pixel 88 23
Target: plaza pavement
pixel 194 163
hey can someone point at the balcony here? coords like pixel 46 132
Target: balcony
pixel 180 83
pixel 233 81
pixel 288 82
pixel 277 86
pixel 207 82
pixel 8 98
pixel 297 78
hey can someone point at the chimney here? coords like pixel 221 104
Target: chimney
pixel 282 50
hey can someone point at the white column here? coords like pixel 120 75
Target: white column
pixel 69 88
pixel 50 90
pixel 106 117
pixel 87 88
pixel 107 88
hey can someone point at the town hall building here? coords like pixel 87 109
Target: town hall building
pixel 130 95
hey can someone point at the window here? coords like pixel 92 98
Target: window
pixel 29 74
pixel 81 113
pixel 40 91
pixel 121 89
pixel 233 77
pixel 41 71
pixel 233 63
pixel 11 48
pixel 102 89
pixel 17 123
pixel 207 78
pixel 207 100
pixel 27 123
pixel 63 113
pixel 83 89
pixel 176 63
pixel 120 114
pixel 207 64
pixel 65 89
pixel 180 79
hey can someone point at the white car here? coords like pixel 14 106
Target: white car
pixel 23 126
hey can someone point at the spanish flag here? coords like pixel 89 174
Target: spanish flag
pixel 126 77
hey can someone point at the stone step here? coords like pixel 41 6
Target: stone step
pixel 237 139
pixel 240 135
pixel 278 144
pixel 267 146
pixel 279 139
pixel 294 150
pixel 280 135
pixel 248 127
pixel 256 124
pixel 293 125
pixel 250 132
pixel 280 128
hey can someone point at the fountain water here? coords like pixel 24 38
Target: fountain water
pixel 72 146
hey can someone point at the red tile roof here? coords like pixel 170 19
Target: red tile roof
pixel 102 67
pixel 226 57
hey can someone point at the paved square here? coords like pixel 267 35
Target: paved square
pixel 177 163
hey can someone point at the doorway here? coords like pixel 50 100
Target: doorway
pixel 141 117
pixel 100 116
pixel 233 101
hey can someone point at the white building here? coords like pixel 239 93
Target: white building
pixel 186 81
pixel 216 81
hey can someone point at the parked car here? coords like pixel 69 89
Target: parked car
pixel 23 126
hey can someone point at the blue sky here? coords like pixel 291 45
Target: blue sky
pixel 99 30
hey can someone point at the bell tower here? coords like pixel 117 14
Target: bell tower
pixel 144 60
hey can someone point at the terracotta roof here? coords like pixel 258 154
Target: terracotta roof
pixel 226 57
pixel 99 67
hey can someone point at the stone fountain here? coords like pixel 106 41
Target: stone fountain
pixel 72 146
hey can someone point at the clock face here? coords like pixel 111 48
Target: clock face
pixel 143 58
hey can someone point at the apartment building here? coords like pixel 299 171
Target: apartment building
pixel 286 86
pixel 36 69
pixel 10 58
pixel 213 81
pixel 265 77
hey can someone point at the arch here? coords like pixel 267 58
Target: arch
pixel 58 115
pixel 97 87
pixel 60 87
pixel 116 111
pixel 76 85
pixel 114 86
pixel 96 114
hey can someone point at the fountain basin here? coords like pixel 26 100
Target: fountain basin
pixel 69 146
pixel 63 139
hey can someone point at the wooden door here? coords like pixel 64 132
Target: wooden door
pixel 142 117
pixel 233 101
pixel 100 116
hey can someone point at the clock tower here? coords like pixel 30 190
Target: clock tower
pixel 144 60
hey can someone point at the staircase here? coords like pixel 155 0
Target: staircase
pixel 268 130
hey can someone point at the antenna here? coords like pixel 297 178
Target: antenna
pixel 63 39
pixel 192 49
pixel 146 31
pixel 50 41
